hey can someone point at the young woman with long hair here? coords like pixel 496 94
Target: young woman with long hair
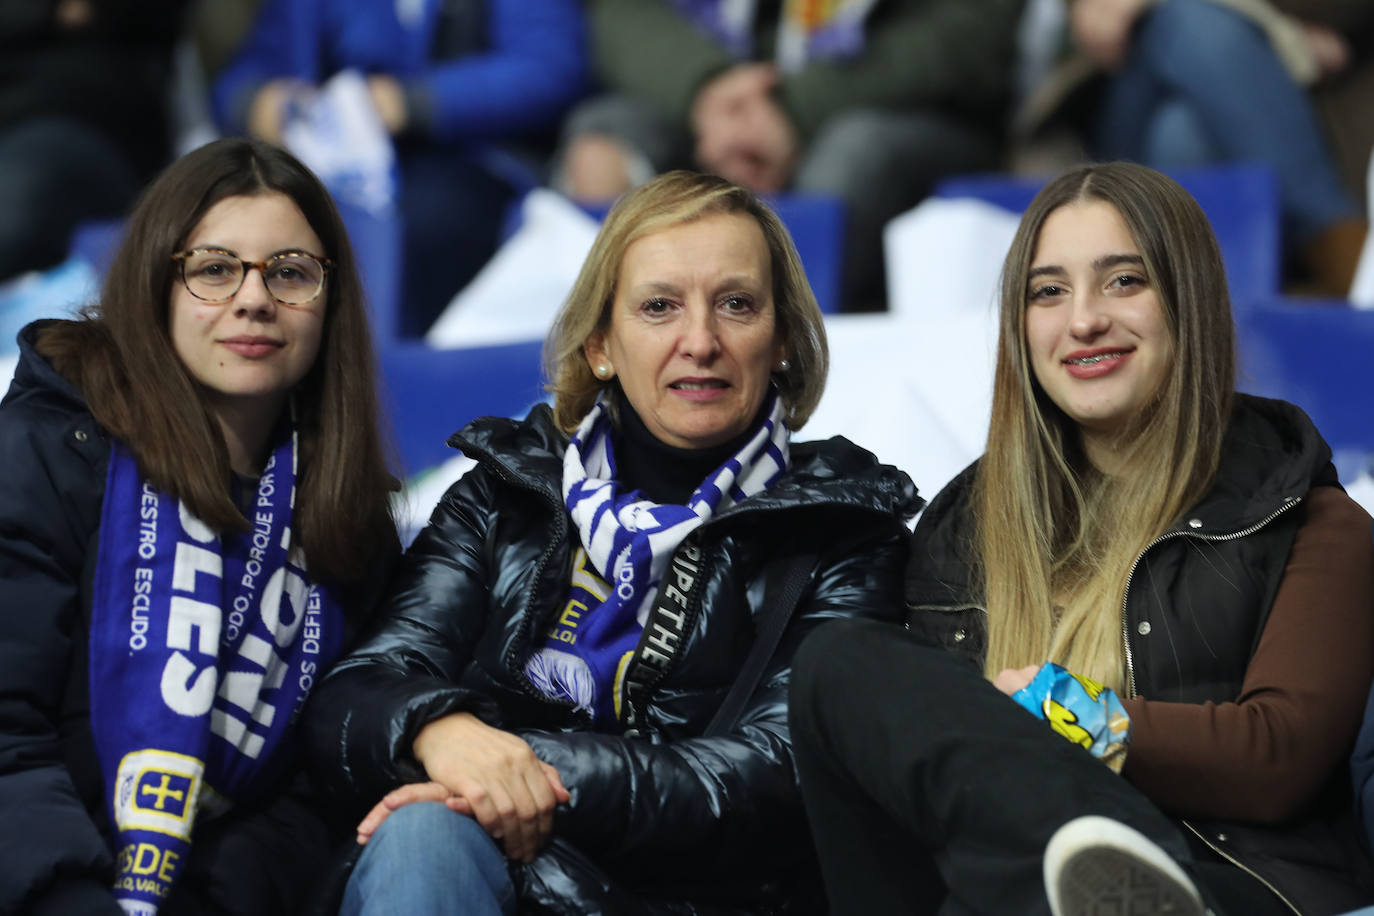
pixel 1145 527
pixel 194 516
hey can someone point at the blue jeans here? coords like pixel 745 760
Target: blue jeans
pixel 1202 85
pixel 428 859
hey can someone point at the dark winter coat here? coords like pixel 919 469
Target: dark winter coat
pixel 667 816
pixel 1272 457
pixel 57 843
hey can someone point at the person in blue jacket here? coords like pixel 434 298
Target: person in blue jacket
pixel 469 90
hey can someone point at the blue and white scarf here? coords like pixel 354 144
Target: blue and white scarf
pixel 629 541
pixel 808 29
pixel 202 651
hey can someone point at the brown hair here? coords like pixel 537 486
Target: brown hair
pixel 1050 527
pixel 122 358
pixel 670 199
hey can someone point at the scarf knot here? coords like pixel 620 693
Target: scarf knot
pixel 626 542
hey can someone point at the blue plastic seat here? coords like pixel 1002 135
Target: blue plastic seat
pixel 432 393
pixel 1317 356
pixel 816 224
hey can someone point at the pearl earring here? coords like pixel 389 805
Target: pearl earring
pixel 603 371
pixel 783 365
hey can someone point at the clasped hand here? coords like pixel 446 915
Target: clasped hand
pixel 484 773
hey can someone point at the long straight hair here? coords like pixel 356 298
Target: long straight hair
pixel 122 358
pixel 1058 538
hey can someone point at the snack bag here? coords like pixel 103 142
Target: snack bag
pixel 1081 710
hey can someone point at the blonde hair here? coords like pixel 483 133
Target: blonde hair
pixel 668 200
pixel 1052 529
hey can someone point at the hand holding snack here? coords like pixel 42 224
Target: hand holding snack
pixel 1080 709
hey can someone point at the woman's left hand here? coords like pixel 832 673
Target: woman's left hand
pixel 405 795
pixel 1010 680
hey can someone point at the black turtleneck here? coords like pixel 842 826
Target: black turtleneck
pixel 665 473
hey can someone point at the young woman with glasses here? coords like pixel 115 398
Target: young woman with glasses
pixel 194 509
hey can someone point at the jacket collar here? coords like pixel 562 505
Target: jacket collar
pixel 829 472
pixel 1272 454
pixel 35 374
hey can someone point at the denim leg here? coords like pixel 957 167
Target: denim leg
pixel 1223 67
pixel 428 859
pixel 1177 138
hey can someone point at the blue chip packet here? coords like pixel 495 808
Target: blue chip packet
pixel 1080 709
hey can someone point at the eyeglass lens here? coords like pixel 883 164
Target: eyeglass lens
pixel 216 276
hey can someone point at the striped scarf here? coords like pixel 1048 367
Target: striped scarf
pixel 628 541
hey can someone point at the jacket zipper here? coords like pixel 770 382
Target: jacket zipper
pixel 1241 865
pixel 1289 502
pixel 560 534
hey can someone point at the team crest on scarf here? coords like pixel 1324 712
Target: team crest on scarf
pixel 202 651
pixel 626 543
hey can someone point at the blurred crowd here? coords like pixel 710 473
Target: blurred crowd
pixel 870 101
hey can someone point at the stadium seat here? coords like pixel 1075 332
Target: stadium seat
pixel 430 393
pixel 1318 357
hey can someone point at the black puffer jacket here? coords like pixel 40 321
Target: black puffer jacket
pixel 1272 457
pixel 667 815
pixel 56 843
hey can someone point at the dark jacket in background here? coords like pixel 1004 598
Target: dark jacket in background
pixel 951 56
pixel 665 817
pixel 114 74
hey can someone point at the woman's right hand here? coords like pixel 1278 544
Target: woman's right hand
pixel 1010 680
pixel 496 778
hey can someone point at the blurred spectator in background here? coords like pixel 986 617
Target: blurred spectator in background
pixel 869 100
pixel 1287 83
pixel 83 116
pixel 471 92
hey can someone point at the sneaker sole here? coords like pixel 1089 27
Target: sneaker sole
pixel 1103 881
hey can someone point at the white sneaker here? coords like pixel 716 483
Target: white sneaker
pixel 1095 866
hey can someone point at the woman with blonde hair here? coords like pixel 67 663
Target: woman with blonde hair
pixel 1185 557
pixel 576 700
